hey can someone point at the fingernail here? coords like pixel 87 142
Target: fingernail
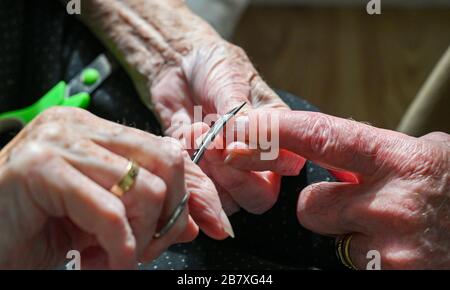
pixel 226 224
pixel 295 164
pixel 300 164
pixel 237 152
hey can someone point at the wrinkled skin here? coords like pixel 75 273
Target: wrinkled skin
pixel 219 77
pixel 55 178
pixel 400 205
pixel 177 61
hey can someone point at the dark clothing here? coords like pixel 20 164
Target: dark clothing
pixel 40 45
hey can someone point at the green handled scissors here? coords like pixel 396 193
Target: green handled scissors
pixel 74 94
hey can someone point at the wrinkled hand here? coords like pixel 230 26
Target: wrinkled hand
pixel 55 178
pixel 400 205
pixel 219 76
pixel 177 61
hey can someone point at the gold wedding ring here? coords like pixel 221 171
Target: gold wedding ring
pixel 127 181
pixel 343 251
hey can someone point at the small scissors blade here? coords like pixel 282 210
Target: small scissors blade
pixel 213 132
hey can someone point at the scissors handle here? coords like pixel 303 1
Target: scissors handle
pixel 55 97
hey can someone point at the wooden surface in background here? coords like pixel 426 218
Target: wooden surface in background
pixel 344 61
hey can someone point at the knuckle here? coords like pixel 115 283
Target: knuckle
pixel 321 134
pixel 439 137
pixel 60 113
pixel 425 162
pixel 239 50
pixel 406 209
pixel 50 131
pixel 32 154
pixel 401 213
pixel 114 214
pixel 400 258
pixel 56 113
pixel 173 154
pixel 81 146
pixel 63 113
pixel 36 150
pixel 51 114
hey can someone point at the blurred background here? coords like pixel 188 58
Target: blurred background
pixel 372 68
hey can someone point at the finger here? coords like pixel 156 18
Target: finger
pixel 159 245
pixel 162 156
pixel 204 203
pixel 170 168
pixel 240 156
pixel 228 204
pixel 262 182
pixel 205 206
pixel 255 192
pixel 439 137
pixel 331 208
pixel 190 233
pixel 143 202
pixel 87 205
pixel 330 141
pixel 192 138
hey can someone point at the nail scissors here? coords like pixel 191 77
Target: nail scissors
pixel 213 132
pixel 196 157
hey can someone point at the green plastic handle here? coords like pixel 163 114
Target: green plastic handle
pixel 55 97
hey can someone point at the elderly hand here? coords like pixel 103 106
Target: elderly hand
pixel 55 178
pixel 218 76
pixel 177 61
pixel 400 205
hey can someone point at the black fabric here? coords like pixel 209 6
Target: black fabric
pixel 40 45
